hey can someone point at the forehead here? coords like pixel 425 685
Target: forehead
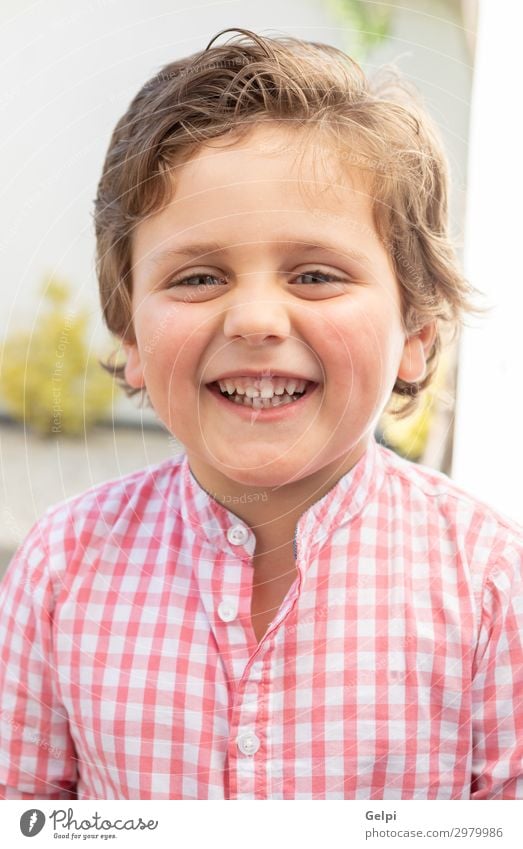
pixel 274 155
pixel 256 185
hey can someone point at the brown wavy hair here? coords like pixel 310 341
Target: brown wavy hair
pixel 378 126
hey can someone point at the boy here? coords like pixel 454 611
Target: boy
pixel 286 610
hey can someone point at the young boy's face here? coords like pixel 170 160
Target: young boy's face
pixel 294 280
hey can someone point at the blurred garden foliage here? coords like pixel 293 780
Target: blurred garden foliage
pixel 363 24
pixel 48 380
pixel 409 436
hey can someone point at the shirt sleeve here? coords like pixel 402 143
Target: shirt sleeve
pixel 497 689
pixel 37 755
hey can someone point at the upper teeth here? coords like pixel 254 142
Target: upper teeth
pixel 264 387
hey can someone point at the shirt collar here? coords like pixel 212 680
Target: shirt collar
pixel 211 520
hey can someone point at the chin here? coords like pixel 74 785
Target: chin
pixel 275 474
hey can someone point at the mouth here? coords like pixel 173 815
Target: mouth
pixel 262 395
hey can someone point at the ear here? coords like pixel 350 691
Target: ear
pixel 133 366
pixel 413 364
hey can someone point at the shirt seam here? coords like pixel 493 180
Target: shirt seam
pixel 490 572
pixel 427 488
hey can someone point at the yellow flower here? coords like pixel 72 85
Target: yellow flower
pixel 48 381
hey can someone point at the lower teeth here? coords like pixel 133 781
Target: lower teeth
pixel 262 403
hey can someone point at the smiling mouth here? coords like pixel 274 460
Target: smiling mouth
pixel 256 402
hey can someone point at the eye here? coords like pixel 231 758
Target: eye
pixel 187 281
pixel 327 278
pixel 203 280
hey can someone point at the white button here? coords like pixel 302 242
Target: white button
pixel 226 611
pixel 238 535
pixel 248 743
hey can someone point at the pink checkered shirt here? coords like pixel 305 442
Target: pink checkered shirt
pixel 392 670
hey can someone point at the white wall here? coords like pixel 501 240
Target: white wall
pixel 488 455
pixel 428 46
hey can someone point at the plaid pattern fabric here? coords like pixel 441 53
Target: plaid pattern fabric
pixel 393 669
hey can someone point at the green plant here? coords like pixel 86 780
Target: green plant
pixel 48 381
pixel 364 24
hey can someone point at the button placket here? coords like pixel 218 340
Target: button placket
pixel 227 610
pixel 238 535
pixel 248 743
pixel 246 746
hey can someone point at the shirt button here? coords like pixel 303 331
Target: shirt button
pixel 248 743
pixel 238 535
pixel 226 611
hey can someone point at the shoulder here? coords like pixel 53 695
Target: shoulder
pixel 453 518
pixel 437 490
pixel 111 515
pixel 130 497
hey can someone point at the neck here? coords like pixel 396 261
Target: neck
pixel 273 512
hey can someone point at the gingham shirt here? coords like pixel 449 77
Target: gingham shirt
pixel 392 670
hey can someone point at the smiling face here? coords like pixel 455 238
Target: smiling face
pixel 267 261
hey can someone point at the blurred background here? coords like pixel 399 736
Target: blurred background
pixel 69 72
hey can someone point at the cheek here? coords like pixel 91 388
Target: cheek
pixel 165 342
pixel 354 348
pixel 360 352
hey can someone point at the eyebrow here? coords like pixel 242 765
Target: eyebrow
pixel 198 249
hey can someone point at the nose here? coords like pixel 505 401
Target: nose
pixel 257 320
